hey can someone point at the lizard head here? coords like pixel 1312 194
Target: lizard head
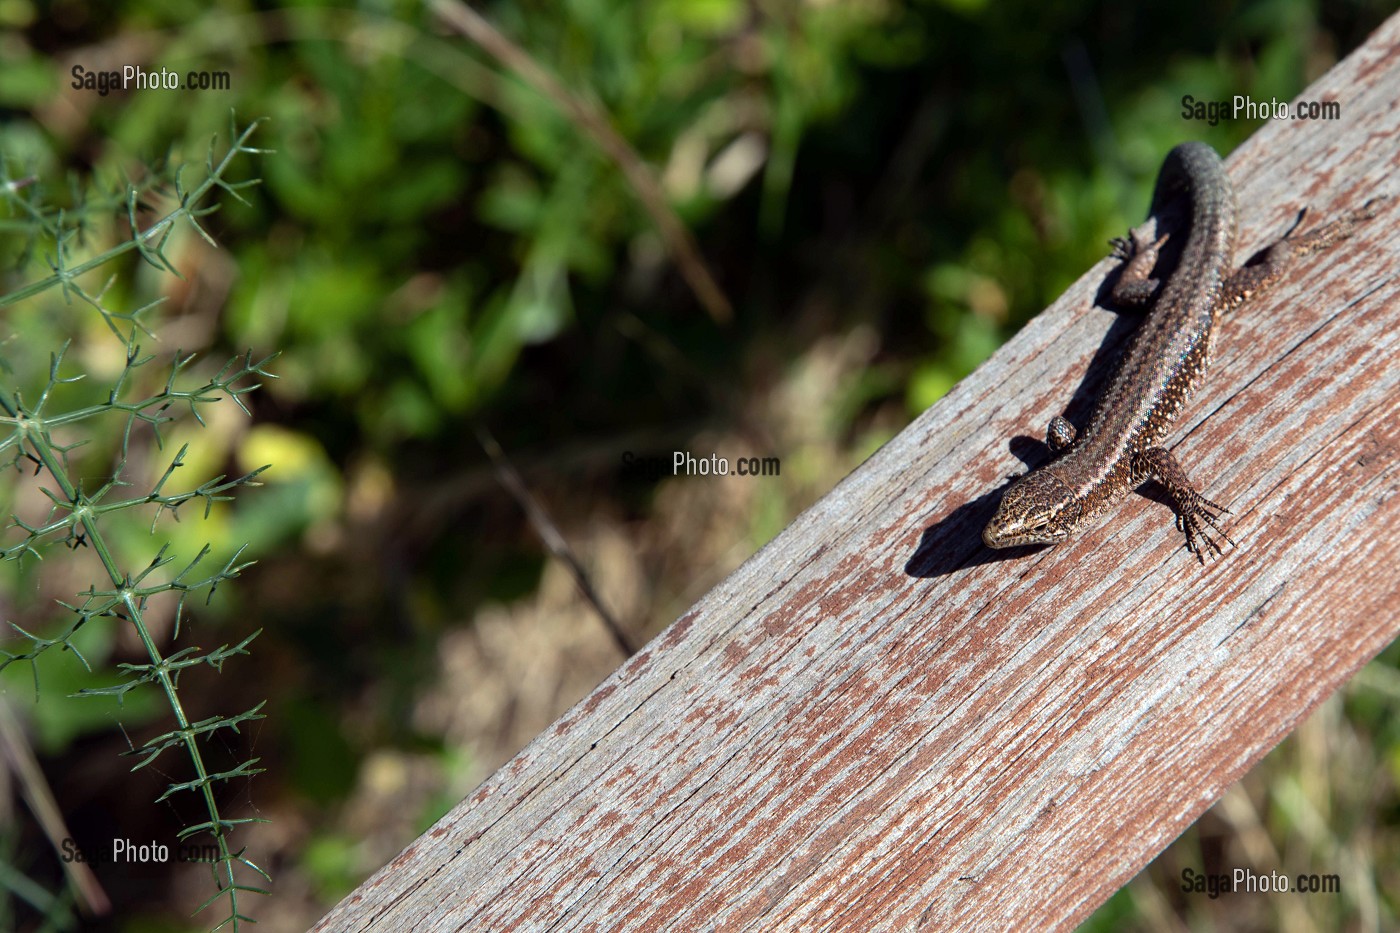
pixel 1038 509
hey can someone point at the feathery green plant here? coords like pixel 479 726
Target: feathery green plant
pixel 42 434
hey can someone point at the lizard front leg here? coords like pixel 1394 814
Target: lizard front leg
pixel 1193 510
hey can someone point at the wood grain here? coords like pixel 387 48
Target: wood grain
pixel 877 723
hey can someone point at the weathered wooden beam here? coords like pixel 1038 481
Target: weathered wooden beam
pixel 877 723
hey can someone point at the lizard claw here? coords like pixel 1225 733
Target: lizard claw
pixel 1194 518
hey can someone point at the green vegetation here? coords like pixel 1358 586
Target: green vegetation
pixel 49 430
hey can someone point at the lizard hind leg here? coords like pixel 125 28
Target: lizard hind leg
pixel 1194 512
pixel 1136 287
pixel 1269 264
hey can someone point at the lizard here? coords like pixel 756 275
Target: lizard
pixel 1164 362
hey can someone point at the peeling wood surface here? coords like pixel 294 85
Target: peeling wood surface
pixel 879 724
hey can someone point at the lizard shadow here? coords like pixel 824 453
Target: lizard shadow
pixel 955 542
